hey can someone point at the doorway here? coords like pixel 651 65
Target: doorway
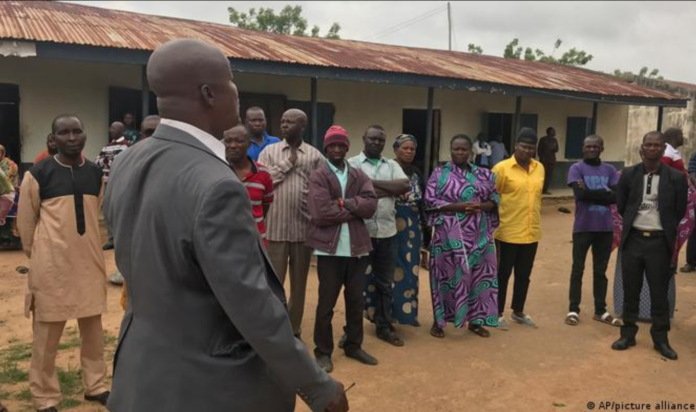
pixel 500 124
pixel 9 121
pixel 123 100
pixel 415 122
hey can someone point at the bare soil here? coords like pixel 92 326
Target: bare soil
pixel 553 368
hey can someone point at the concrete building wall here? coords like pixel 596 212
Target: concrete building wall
pixel 361 104
pixel 644 119
pixel 48 88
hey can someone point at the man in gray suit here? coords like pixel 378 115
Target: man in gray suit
pixel 206 327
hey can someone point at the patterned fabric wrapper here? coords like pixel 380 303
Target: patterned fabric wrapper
pixel 463 267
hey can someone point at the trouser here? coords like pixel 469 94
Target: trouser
pixel 334 273
pixel 43 379
pixel 298 257
pixel 520 258
pixel 548 175
pixel 691 249
pixel 383 264
pixel 649 255
pixel 601 251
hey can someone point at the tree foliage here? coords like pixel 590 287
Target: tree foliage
pixel 475 49
pixel 644 72
pixel 572 57
pixel 288 21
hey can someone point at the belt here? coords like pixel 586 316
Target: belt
pixel 648 233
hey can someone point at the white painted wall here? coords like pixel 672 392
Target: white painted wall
pixel 48 88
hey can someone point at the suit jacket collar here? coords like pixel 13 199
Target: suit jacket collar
pixel 176 135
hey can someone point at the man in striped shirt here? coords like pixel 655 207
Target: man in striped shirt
pixel 255 176
pixel 291 162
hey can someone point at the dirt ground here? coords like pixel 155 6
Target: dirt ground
pixel 553 368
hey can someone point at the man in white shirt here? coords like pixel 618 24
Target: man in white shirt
pixel 389 180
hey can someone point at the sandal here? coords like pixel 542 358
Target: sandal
pixel 572 319
pixel 391 338
pixel 480 330
pixel 608 319
pixel 437 331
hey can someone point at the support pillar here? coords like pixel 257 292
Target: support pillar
pixel 660 113
pixel 315 115
pixel 145 96
pixel 429 134
pixel 595 109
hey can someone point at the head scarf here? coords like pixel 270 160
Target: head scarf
pixel 403 138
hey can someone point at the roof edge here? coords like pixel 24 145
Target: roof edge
pixel 140 57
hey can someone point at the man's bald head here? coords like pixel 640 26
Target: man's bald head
pixel 292 125
pixel 116 130
pixel 296 113
pixel 193 83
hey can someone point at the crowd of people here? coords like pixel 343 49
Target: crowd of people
pixel 208 216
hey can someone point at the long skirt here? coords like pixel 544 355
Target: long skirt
pixel 644 312
pixel 408 237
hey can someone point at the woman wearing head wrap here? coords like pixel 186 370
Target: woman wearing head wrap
pixel 463 203
pixel 408 224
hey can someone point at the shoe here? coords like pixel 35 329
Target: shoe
pixel 101 398
pixel 390 337
pixel 342 341
pixel 108 245
pixel 51 409
pixel 362 357
pixel 688 268
pixel 623 343
pixel 666 351
pixel 116 278
pixel 325 363
pixel 525 320
pixel 502 324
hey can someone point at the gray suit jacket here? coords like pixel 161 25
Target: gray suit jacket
pixel 206 328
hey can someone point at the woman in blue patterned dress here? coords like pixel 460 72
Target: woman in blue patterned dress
pixel 462 203
pixel 409 208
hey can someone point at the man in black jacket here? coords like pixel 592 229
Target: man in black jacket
pixel 652 199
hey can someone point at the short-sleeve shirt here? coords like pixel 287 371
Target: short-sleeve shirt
pixel 259 185
pixel 520 201
pixel 673 158
pixel 383 223
pixel 590 217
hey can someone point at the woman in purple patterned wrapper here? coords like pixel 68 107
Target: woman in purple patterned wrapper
pixel 462 202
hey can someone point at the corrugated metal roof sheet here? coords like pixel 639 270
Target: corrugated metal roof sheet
pixel 50 21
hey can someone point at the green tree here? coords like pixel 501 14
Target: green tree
pixel 572 57
pixel 512 51
pixel 644 72
pixel 288 21
pixel 475 49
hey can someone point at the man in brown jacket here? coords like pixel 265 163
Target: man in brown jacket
pixel 58 221
pixel 340 197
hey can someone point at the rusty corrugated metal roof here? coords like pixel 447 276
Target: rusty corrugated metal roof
pixel 50 21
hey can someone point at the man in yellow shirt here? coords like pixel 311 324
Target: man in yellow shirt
pixel 520 180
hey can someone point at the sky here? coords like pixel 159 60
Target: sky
pixel 620 35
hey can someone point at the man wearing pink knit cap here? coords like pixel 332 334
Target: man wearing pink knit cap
pixel 340 198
